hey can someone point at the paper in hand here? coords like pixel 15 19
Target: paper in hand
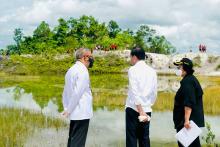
pixel 187 136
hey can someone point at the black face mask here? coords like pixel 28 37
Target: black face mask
pixel 91 61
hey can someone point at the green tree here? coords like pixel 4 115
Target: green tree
pixel 106 42
pixel 61 32
pixel 42 32
pixel 113 29
pixel 72 22
pixel 87 30
pixel 142 36
pixel 18 35
pixel 159 44
pixel 71 44
pixel 28 46
pixel 11 49
pixel 2 51
pixel 43 39
pixel 147 39
pixel 124 40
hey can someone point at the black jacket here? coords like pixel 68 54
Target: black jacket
pixel 189 94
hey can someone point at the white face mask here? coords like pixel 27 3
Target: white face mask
pixel 178 72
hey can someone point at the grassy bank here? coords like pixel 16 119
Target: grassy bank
pixel 52 65
pixel 17 125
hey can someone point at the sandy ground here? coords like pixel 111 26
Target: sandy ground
pixel 206 63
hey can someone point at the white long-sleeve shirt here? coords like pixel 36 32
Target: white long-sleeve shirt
pixel 77 95
pixel 142 86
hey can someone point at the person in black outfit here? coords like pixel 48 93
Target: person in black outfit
pixel 188 103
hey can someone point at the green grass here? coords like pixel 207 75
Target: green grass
pixel 212 100
pixel 18 124
pixel 37 65
pixel 109 64
pixel 109 81
pixel 164 101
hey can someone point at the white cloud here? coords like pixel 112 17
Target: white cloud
pixel 4 18
pixel 185 23
pixel 33 15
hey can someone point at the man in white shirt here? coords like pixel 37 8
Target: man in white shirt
pixel 142 94
pixel 77 98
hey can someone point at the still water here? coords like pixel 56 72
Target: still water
pixel 107 128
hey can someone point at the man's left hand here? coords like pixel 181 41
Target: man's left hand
pixel 65 114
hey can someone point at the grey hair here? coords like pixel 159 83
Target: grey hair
pixel 80 52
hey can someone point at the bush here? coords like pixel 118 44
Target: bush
pixel 197 61
pixel 218 67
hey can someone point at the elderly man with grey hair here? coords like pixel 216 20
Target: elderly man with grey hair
pixel 77 98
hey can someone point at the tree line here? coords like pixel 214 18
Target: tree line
pixel 86 31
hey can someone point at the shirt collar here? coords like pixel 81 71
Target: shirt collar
pixel 140 62
pixel 81 64
pixel 184 78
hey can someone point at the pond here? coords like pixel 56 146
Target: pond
pixel 107 128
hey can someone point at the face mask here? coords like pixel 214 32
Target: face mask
pixel 179 72
pixel 91 61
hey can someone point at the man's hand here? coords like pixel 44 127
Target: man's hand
pixel 65 114
pixel 143 117
pixel 143 114
pixel 187 124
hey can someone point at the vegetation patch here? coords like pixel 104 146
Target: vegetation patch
pixel 18 124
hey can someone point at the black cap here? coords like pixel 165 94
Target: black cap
pixel 185 61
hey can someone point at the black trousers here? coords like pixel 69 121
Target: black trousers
pixel 135 130
pixel 195 143
pixel 78 133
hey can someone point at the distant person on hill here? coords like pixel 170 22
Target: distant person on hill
pixel 77 98
pixel 188 103
pixel 142 94
pixel 202 48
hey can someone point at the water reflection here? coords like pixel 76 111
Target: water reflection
pixel 172 83
pixel 15 97
pixel 106 128
pixel 110 127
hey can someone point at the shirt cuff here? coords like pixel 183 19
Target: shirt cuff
pixel 188 105
pixel 138 101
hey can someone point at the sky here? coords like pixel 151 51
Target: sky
pixel 185 23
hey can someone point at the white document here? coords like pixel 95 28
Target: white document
pixel 187 136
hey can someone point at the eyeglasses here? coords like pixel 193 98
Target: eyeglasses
pixel 89 56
